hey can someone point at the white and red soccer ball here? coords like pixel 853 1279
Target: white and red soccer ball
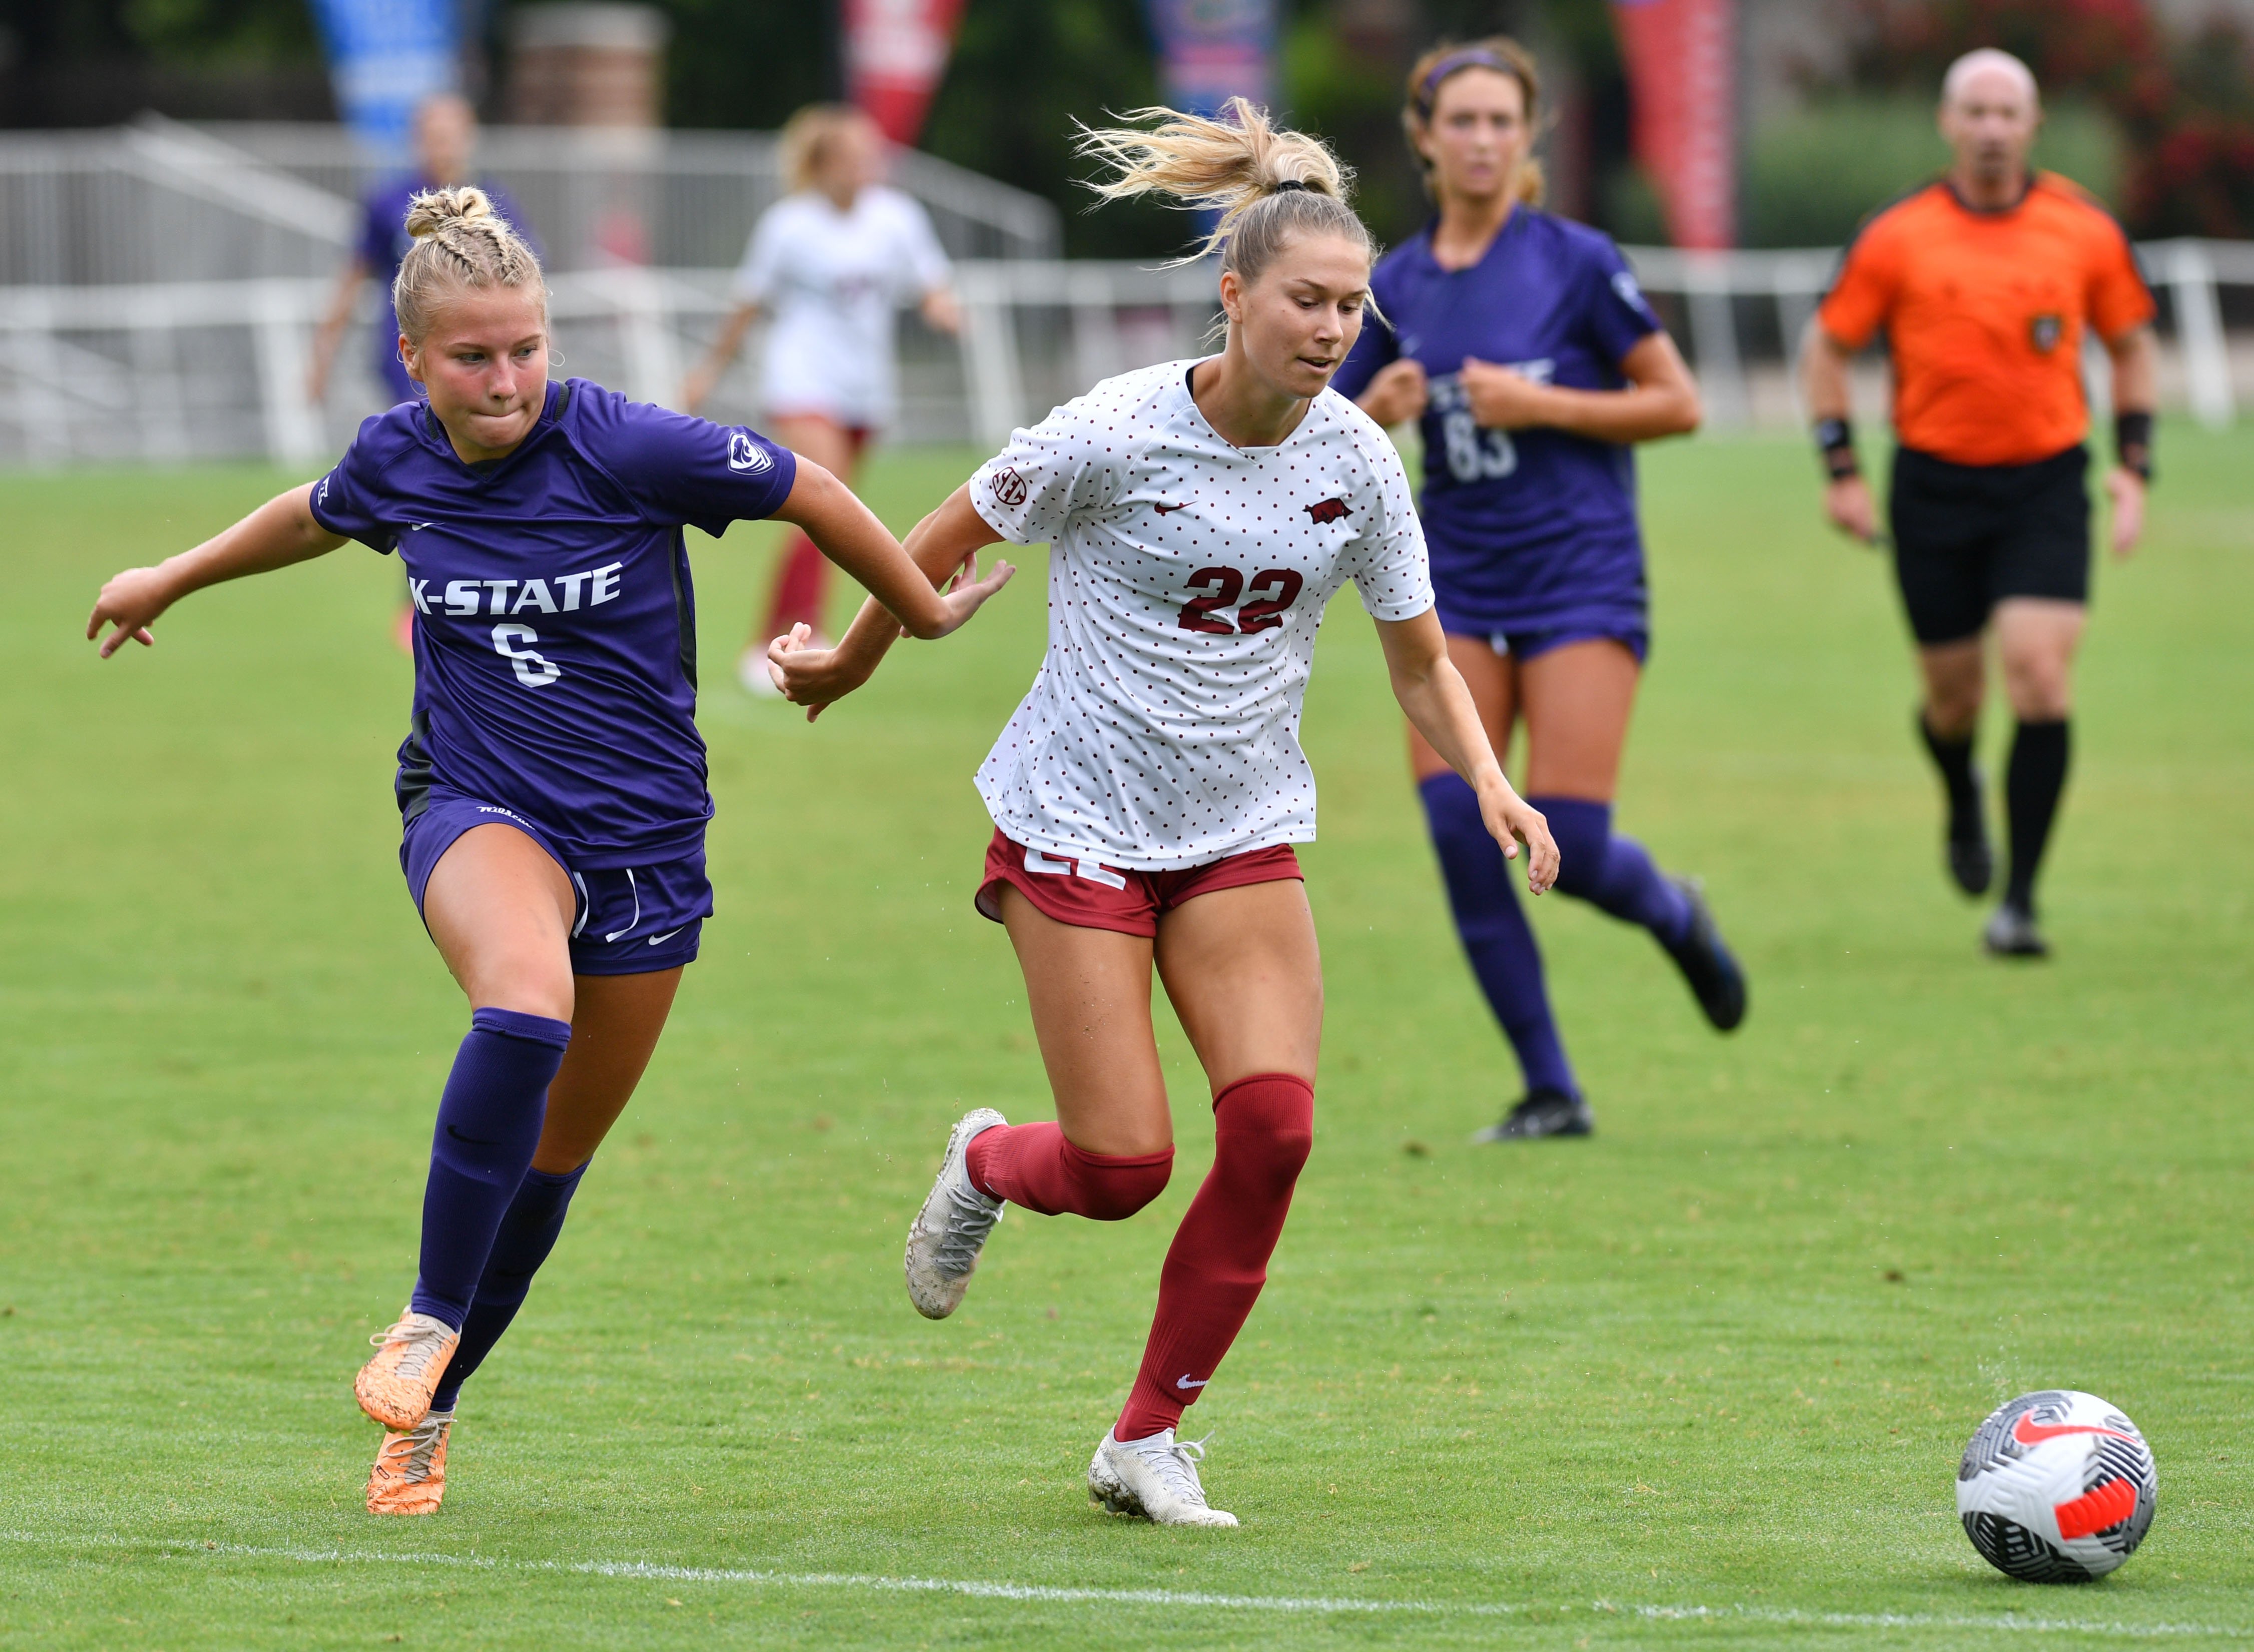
pixel 2056 1488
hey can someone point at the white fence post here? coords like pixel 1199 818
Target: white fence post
pixel 990 369
pixel 293 423
pixel 2199 334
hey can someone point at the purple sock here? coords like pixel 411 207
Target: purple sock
pixel 1612 873
pixel 527 1234
pixel 1494 931
pixel 488 1124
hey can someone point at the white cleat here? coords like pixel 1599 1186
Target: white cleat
pixel 1155 1479
pixel 952 1228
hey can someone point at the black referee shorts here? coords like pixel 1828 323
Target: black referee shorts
pixel 1966 537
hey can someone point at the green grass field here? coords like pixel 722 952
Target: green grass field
pixel 1701 1380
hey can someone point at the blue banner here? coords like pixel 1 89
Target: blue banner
pixel 1210 50
pixel 385 57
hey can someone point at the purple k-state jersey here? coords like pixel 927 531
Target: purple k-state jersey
pixel 555 630
pixel 1531 530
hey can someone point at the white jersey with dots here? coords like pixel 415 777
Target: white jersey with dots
pixel 1186 578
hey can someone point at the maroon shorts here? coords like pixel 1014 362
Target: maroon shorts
pixel 1091 896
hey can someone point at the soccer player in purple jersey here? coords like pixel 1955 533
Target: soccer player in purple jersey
pixel 552 781
pixel 1522 342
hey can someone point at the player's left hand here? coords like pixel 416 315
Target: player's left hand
pixel 2126 489
pixel 1512 820
pixel 1502 398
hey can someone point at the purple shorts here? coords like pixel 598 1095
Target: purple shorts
pixel 1533 643
pixel 629 921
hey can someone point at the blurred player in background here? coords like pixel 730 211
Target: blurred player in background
pixel 445 139
pixel 828 265
pixel 551 786
pixel 1147 792
pixel 1985 283
pixel 1522 344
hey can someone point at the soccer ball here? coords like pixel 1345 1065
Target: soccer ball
pixel 2056 1488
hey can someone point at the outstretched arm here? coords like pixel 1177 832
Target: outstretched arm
pixel 944 547
pixel 278 533
pixel 1432 691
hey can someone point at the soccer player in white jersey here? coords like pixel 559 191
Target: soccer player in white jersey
pixel 828 265
pixel 1147 792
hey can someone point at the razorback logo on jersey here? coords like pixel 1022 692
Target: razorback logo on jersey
pixel 1330 510
pixel 1010 488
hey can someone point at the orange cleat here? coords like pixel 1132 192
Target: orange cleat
pixel 394 1388
pixel 409 1476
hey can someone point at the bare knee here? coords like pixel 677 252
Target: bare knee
pixel 2041 686
pixel 1955 685
pixel 527 985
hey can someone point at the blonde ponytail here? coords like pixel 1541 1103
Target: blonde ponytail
pixel 1270 186
pixel 459 241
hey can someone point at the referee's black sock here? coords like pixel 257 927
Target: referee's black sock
pixel 1952 755
pixel 2032 785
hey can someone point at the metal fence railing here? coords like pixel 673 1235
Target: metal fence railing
pixel 159 285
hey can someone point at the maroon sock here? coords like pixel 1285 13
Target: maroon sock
pixel 1033 1166
pixel 1262 1128
pixel 802 576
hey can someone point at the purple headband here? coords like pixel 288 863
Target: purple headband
pixel 1472 58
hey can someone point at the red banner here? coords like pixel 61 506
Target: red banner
pixel 1682 60
pixel 896 51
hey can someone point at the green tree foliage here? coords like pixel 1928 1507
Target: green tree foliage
pixel 2185 104
pixel 230 34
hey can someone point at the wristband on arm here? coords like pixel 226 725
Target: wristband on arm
pixel 1835 440
pixel 2133 442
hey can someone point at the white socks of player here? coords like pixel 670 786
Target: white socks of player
pixel 1156 1478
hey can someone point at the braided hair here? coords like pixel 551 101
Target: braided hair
pixel 459 241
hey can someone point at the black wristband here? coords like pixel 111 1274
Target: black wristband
pixel 1835 439
pixel 2132 442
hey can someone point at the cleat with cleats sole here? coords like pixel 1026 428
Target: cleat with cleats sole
pixel 1154 1480
pixel 1542 1113
pixel 2012 934
pixel 409 1476
pixel 394 1388
pixel 952 1226
pixel 1715 980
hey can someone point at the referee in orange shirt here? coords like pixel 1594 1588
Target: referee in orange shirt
pixel 1984 282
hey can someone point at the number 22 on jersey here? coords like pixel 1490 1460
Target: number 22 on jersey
pixel 1222 586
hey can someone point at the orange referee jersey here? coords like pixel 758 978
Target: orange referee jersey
pixel 1984 313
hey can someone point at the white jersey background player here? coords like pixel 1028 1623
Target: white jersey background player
pixel 829 266
pixel 1146 793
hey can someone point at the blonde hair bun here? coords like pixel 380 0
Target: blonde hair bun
pixel 433 210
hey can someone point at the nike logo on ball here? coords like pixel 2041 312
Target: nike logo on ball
pixel 2027 1431
pixel 1183 1381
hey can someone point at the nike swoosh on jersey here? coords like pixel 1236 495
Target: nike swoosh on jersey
pixel 2027 1431
pixel 1164 509
pixel 667 936
pixel 1183 1381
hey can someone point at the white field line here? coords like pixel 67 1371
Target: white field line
pixel 979 1589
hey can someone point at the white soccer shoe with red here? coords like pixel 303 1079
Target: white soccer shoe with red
pixel 1154 1478
pixel 952 1226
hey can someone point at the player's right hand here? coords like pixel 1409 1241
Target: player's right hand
pixel 1397 393
pixel 131 602
pixel 1847 502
